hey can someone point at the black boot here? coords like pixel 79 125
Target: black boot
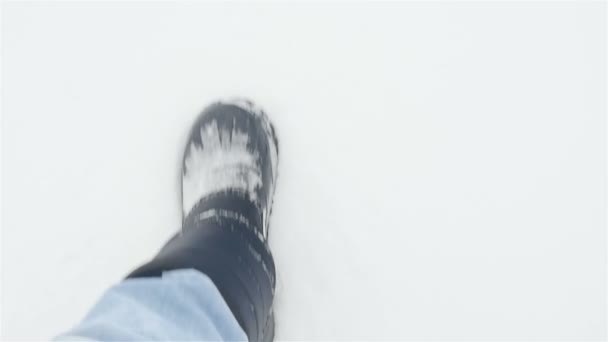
pixel 228 180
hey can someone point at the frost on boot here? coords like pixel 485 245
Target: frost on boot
pixel 229 173
pixel 232 148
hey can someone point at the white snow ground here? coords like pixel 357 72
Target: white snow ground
pixel 441 168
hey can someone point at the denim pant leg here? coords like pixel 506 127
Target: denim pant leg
pixel 180 305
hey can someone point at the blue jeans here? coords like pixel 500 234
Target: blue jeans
pixel 180 305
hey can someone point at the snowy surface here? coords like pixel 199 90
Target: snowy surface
pixel 441 167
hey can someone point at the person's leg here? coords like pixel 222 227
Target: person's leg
pixel 229 175
pixel 181 305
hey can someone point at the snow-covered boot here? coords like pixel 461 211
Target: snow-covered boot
pixel 228 180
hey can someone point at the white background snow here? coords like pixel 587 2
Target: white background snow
pixel 441 168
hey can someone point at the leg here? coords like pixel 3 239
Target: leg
pixel 228 181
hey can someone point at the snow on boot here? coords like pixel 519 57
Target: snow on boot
pixel 229 173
